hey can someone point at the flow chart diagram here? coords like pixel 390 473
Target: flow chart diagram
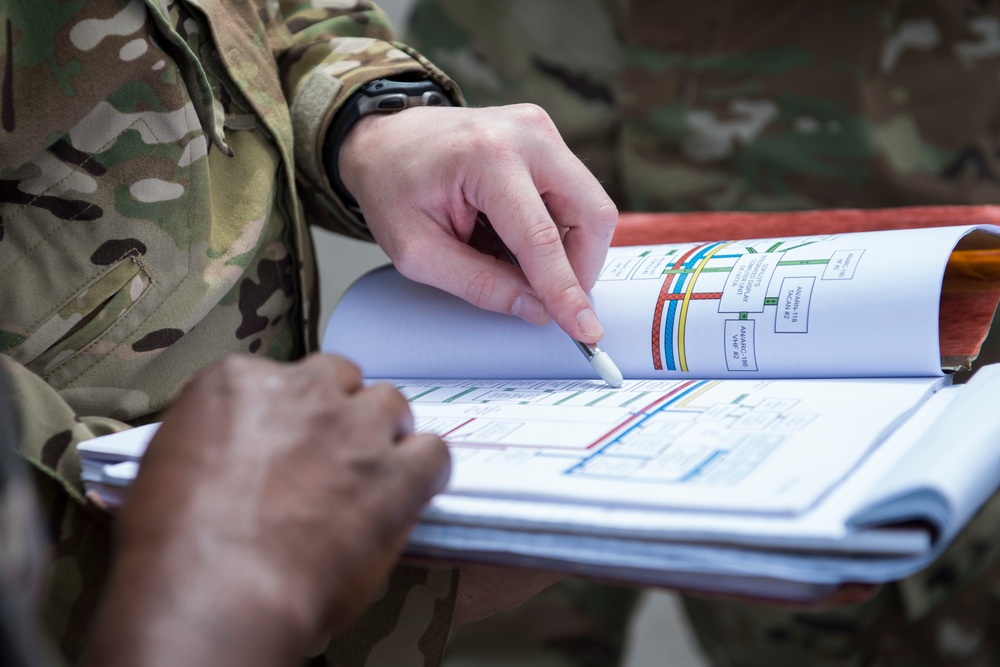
pixel 753 286
pixel 654 431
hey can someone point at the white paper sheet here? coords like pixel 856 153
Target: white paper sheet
pixel 851 305
pixel 736 445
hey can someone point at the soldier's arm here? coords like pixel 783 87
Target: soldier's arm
pixel 326 55
pixel 421 182
pixel 50 428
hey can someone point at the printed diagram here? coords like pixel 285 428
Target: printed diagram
pixel 694 438
pixel 753 285
pixel 527 413
pixel 688 432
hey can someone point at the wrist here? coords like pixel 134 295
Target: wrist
pixel 225 613
pixel 355 153
pixel 381 96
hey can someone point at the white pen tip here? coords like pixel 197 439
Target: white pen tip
pixel 607 369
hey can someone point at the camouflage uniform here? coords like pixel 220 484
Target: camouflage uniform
pixel 771 105
pixel 22 555
pixel 159 162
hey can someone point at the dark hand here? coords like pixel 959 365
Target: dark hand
pixel 271 503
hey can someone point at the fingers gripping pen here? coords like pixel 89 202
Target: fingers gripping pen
pixel 597 357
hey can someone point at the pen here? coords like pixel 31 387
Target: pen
pixel 597 357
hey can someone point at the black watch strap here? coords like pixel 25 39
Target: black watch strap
pixel 378 96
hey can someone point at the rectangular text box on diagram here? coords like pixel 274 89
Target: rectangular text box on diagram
pixel 740 352
pixel 793 305
pixel 620 268
pixel 746 286
pixel 842 265
pixel 641 267
pixel 652 268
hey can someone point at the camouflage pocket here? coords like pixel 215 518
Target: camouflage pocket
pixel 80 323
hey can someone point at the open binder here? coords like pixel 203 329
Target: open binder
pixel 733 459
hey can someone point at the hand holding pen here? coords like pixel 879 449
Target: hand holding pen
pixel 422 176
pixel 598 358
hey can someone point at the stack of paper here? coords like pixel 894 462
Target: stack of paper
pixel 678 493
pixel 772 527
pixel 110 463
pixel 785 426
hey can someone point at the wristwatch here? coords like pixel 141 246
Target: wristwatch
pixel 378 96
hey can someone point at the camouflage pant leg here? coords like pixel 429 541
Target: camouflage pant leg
pixel 575 623
pixel 78 569
pixel 947 615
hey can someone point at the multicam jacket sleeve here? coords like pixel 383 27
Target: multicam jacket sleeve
pixel 159 160
pixel 330 58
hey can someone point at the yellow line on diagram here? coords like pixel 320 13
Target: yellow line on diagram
pixel 688 399
pixel 682 324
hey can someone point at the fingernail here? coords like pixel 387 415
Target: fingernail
pixel 529 308
pixel 589 324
